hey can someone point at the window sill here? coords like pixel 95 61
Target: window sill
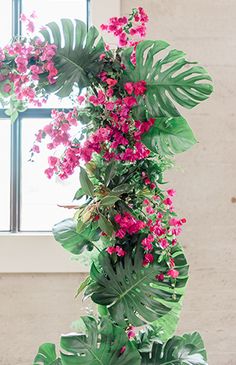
pixel 30 252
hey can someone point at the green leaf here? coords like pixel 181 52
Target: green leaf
pixel 65 232
pixel 77 57
pixel 86 184
pixel 185 350
pixel 169 136
pixel 105 225
pixel 167 324
pixel 109 173
pixel 131 291
pixel 83 285
pixel 47 355
pixel 109 200
pixel 79 194
pixel 100 346
pixel 122 189
pixel 169 82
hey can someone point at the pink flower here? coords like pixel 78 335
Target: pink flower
pixel 150 210
pixel 111 82
pixel 120 251
pixel 172 263
pixel 130 101
pixel 163 243
pixel 110 105
pixel 171 192
pixel 122 350
pixel 129 87
pixel 7 88
pixel 49 172
pixel 111 250
pixel 140 87
pixel 52 161
pixel 160 277
pixel 131 332
pixel 102 56
pixel 167 201
pixel 116 249
pixel 173 273
pixel 147 243
pixel 148 259
pixel 35 148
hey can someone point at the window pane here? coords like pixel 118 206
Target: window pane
pixel 5 127
pixel 54 10
pixel 40 196
pixel 5 22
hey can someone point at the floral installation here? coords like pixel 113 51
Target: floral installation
pixel 120 136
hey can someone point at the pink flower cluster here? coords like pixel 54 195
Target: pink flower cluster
pixel 117 250
pixel 30 61
pixel 124 28
pixel 31 58
pixel 59 133
pixel 119 139
pixel 29 21
pixel 128 224
pixel 136 88
pixel 163 228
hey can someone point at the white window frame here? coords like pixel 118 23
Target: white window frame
pixel 39 252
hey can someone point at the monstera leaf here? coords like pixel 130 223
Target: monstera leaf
pixel 131 291
pixel 65 232
pixel 107 345
pixel 47 355
pixel 77 58
pixel 169 82
pixel 169 136
pixel 186 350
pixel 167 324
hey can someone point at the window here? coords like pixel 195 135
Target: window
pixel 32 252
pixel 28 200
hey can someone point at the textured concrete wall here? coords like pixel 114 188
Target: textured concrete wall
pixel 37 308
pixel 205 179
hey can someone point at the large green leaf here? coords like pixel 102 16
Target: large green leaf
pixel 169 82
pixel 77 58
pixel 186 350
pixel 100 346
pixel 65 232
pixel 86 184
pixel 47 355
pixel 131 291
pixel 167 324
pixel 169 136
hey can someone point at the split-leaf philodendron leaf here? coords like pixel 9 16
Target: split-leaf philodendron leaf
pixel 65 232
pixel 47 355
pixel 186 350
pixel 132 292
pixel 169 136
pixel 77 58
pixel 169 82
pixel 99 346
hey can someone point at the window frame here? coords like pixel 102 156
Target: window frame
pixel 16 133
pixel 37 252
